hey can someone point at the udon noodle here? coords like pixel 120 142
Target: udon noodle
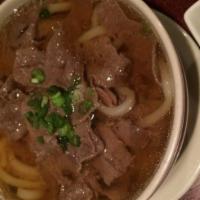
pixel 26 178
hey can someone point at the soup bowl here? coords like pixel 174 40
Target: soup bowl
pixel 180 98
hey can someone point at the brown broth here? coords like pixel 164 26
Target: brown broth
pixel 149 97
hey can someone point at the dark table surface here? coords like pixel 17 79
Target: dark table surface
pixel 173 8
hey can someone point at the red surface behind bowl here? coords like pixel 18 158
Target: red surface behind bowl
pixel 173 8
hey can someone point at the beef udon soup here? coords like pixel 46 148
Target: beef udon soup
pixel 85 102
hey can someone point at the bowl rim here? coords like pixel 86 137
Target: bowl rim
pixel 8 7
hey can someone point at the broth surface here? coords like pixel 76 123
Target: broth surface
pixel 66 67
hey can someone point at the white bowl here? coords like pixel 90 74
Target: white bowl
pixel 180 103
pixel 7 8
pixel 191 17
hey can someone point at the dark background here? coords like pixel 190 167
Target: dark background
pixel 173 8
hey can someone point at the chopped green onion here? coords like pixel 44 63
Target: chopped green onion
pixel 58 99
pixel 61 98
pixel 37 76
pixel 43 111
pixel 39 104
pixel 35 102
pixel 75 141
pixel 54 90
pixel 33 119
pixel 66 130
pixel 63 141
pixel 67 106
pixel 54 121
pixel 40 139
pixel 48 126
pixel 44 13
pixel 45 101
pixel 86 106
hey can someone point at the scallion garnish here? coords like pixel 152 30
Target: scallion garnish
pixel 37 76
pixel 44 13
pixel 39 104
pixel 67 106
pixel 86 106
pixel 58 99
pixel 53 90
pixel 54 122
pixel 45 101
pixel 63 141
pixel 68 132
pixel 33 119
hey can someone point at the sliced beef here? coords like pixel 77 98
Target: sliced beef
pixel 6 87
pixel 91 145
pixel 136 46
pixel 49 155
pixel 27 39
pixel 11 120
pixel 21 30
pixel 133 137
pixel 91 177
pixel 77 191
pixel 26 60
pixel 53 187
pixel 113 18
pixel 60 166
pixel 119 190
pixel 78 20
pixel 50 158
pixel 104 65
pixel 63 166
pixel 115 159
pixel 57 63
pixel 60 62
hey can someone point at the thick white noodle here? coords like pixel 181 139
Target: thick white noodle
pixel 29 194
pixel 167 87
pixel 124 107
pixel 92 33
pixel 60 7
pixel 17 182
pixel 23 170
